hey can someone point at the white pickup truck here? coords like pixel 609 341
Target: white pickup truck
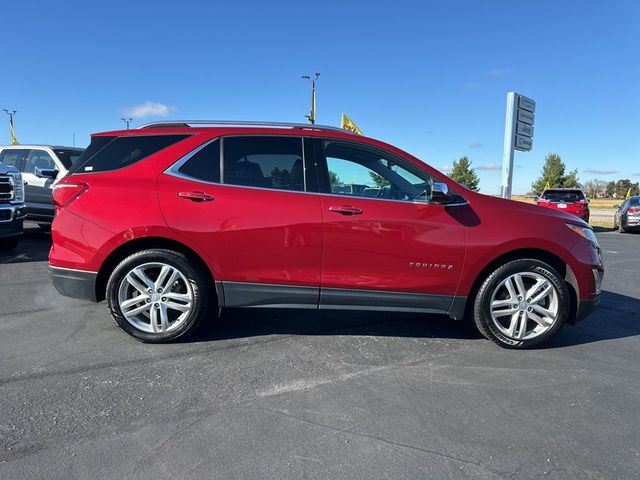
pixel 41 167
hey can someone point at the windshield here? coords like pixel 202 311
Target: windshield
pixel 68 156
pixel 564 196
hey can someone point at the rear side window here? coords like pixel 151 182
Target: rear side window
pixel 634 202
pixel 121 152
pixel 204 164
pixel 266 162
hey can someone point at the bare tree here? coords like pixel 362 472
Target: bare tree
pixel 595 188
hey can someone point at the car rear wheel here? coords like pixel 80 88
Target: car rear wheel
pixel 621 229
pixel 521 304
pixel 158 295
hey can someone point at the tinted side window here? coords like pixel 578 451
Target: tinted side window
pixel 13 157
pixel 97 144
pixel 266 162
pixel 204 164
pixel 125 151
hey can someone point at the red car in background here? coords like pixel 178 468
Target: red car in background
pixel 568 200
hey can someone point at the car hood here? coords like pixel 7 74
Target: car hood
pixel 524 208
pixel 4 169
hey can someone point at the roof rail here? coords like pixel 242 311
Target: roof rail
pixel 236 123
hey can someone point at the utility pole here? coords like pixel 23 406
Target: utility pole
pixel 127 121
pixel 14 140
pixel 312 114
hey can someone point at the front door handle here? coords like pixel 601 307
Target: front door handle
pixel 345 209
pixel 196 196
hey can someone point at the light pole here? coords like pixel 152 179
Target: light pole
pixel 14 140
pixel 312 113
pixel 127 121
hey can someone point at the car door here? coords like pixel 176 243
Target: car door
pixel 384 244
pixel 244 201
pixel 38 189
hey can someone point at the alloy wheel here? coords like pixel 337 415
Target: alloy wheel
pixel 155 297
pixel 524 306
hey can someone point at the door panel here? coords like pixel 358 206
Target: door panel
pixel 263 229
pixel 250 235
pixel 395 246
pixel 381 233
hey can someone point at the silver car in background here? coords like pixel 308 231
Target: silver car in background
pixel 627 217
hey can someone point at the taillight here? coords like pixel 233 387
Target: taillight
pixel 633 210
pixel 65 193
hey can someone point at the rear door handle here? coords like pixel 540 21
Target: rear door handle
pixel 345 209
pixel 196 196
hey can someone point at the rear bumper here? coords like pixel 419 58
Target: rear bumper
pixel 74 283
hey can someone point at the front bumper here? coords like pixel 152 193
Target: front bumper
pixel 586 307
pixel 11 220
pixel 74 283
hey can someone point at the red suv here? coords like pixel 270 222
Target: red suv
pixel 569 200
pixel 173 221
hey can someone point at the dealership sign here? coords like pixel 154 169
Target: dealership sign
pixel 518 134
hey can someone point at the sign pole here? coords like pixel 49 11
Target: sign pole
pixel 507 155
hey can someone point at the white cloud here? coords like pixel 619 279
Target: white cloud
pixel 600 171
pixel 489 166
pixel 476 144
pixel 148 109
pixel 447 168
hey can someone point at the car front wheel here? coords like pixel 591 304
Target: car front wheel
pixel 522 303
pixel 158 295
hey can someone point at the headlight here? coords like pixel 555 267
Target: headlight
pixel 18 187
pixel 584 232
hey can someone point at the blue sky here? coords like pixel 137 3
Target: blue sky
pixel 429 77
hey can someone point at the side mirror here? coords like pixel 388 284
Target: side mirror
pixel 46 173
pixel 440 193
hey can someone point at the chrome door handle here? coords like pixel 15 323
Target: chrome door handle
pixel 345 209
pixel 196 196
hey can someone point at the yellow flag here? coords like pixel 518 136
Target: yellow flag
pixel 14 140
pixel 628 194
pixel 547 186
pixel 348 124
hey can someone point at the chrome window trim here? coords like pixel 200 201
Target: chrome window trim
pixel 173 170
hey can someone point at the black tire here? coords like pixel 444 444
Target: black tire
pixel 198 279
pixel 9 243
pixel 481 306
pixel 621 229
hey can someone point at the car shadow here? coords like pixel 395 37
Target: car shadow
pixel 33 247
pixel 618 316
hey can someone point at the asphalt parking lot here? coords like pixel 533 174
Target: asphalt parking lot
pixel 299 394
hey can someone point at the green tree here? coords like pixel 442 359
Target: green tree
pixel 464 174
pixel 334 179
pixel 622 186
pixel 553 174
pixel 379 180
pixel 611 189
